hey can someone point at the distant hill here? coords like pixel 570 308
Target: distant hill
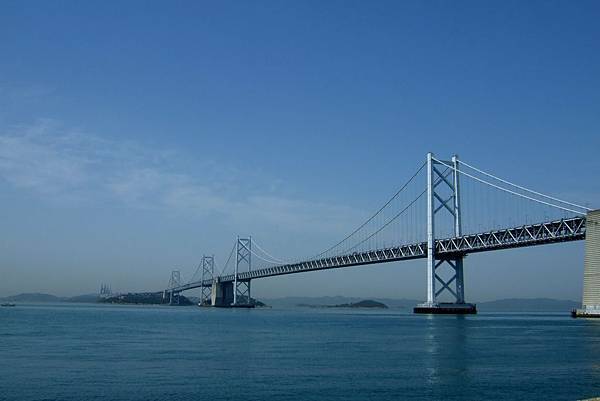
pixel 44 298
pixel 86 298
pixel 290 302
pixel 367 303
pixel 144 298
pixel 32 297
pixel 528 305
pixel 501 305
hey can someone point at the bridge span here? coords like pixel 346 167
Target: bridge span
pixel 362 248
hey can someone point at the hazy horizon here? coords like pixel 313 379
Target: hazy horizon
pixel 191 294
pixel 132 143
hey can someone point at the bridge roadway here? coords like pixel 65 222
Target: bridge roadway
pixel 572 229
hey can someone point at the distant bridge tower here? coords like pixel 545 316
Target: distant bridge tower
pixel 174 282
pixel 105 291
pixel 446 201
pixel 208 271
pixel 243 258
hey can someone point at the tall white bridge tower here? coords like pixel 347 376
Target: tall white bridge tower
pixel 443 196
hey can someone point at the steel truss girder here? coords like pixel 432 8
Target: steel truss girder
pixel 564 230
pixel 533 234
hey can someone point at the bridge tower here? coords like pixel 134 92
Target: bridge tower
pixel 175 281
pixel 444 201
pixel 243 258
pixel 105 291
pixel 208 271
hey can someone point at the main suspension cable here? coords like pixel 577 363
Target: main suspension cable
pixel 523 188
pixel 508 190
pixel 376 213
pixel 266 260
pixel 266 253
pixel 196 272
pixel 389 221
pixel 228 259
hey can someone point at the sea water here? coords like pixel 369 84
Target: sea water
pixel 96 352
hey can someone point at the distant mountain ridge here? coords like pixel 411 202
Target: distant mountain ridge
pixel 32 297
pixel 528 305
pixel 45 298
pixel 500 305
pixel 287 302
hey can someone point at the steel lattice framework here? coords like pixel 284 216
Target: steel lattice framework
pixel 450 203
pixel 174 283
pixel 243 257
pixel 441 240
pixel 564 230
pixel 208 271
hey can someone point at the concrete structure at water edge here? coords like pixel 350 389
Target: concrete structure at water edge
pixel 591 275
pixel 221 294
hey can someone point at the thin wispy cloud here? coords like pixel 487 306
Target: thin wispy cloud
pixel 65 165
pixel 32 159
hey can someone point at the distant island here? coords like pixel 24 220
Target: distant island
pixel 501 305
pixel 144 298
pixel 367 303
pixel 131 298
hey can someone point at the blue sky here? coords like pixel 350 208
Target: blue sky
pixel 135 137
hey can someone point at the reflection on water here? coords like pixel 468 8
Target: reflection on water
pixel 592 345
pixel 445 345
pixel 67 352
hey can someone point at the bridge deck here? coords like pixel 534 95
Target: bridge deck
pixel 572 229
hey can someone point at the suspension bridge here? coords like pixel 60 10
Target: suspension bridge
pixel 446 210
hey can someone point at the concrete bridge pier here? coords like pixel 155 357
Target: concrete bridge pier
pixel 173 298
pixel 590 304
pixel 221 294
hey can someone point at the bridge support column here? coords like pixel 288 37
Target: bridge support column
pixel 174 282
pixel 241 294
pixel 591 275
pixel 438 201
pixel 173 298
pixel 208 271
pixel 221 294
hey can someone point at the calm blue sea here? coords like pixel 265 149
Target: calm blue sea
pixel 89 352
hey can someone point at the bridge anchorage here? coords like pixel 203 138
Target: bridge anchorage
pixel 591 274
pixel 460 210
